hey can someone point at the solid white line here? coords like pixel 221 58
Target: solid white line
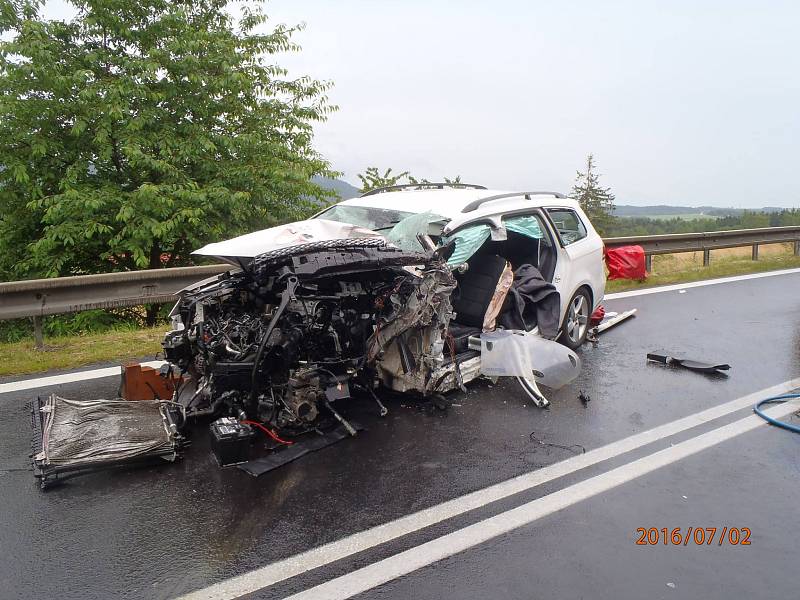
pixel 29 384
pixel 694 284
pixel 403 563
pixel 358 542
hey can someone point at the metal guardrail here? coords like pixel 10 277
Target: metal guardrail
pixel 59 295
pixel 40 297
pixel 674 243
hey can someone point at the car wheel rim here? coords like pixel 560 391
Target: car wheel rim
pixel 577 318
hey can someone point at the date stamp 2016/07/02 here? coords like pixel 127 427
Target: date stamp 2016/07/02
pixel 697 536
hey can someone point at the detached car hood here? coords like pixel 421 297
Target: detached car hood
pixel 241 250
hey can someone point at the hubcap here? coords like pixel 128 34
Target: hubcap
pixel 577 318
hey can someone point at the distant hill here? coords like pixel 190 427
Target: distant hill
pixel 344 189
pixel 662 211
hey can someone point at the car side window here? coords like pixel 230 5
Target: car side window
pixel 568 223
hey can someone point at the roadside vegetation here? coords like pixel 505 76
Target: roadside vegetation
pixel 694 223
pixel 137 132
pixel 117 345
pixel 683 268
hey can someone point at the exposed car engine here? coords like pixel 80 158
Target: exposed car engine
pixel 281 339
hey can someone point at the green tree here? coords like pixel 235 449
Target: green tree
pixel 422 183
pixel 595 200
pixel 139 131
pixel 373 179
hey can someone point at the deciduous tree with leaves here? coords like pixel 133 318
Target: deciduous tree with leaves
pixel 140 130
pixel 373 179
pixel 595 200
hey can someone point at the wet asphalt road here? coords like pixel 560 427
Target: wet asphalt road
pixel 162 531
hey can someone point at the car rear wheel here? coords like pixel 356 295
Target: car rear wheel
pixel 576 321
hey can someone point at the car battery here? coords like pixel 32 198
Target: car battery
pixel 230 441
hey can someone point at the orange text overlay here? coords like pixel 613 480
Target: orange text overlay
pixel 696 536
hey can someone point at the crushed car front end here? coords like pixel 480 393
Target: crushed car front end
pixel 298 327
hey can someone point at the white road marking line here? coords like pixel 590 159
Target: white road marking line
pixel 403 563
pixel 364 540
pixel 694 284
pixel 29 384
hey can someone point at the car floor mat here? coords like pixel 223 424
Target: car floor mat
pixel 268 463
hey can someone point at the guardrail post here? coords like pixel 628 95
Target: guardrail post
pixel 706 257
pixel 38 332
pixel 755 251
pixel 797 248
pixel 648 262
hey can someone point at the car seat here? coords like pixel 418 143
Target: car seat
pixel 472 296
pixel 476 287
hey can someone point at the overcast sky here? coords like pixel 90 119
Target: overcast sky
pixel 681 102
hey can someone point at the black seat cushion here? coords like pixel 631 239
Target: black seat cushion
pixel 460 334
pixel 476 288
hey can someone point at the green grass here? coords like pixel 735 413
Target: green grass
pixel 68 352
pixel 723 267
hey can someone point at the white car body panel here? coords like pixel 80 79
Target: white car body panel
pixel 240 249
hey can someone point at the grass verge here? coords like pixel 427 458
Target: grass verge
pixel 722 267
pixel 68 352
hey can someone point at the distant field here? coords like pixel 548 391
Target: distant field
pixel 684 216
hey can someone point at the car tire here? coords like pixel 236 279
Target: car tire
pixel 576 320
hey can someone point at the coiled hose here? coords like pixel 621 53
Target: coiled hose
pixel 776 422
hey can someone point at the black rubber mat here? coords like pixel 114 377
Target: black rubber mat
pixel 300 448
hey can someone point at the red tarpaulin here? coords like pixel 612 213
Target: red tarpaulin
pixel 625 262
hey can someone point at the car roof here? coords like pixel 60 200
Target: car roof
pixel 450 202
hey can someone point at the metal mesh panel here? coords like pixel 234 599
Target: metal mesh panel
pixel 78 433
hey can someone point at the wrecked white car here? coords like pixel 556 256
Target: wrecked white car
pixel 369 297
pixel 414 291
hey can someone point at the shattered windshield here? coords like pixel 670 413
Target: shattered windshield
pixel 399 227
pixel 404 234
pixel 377 219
